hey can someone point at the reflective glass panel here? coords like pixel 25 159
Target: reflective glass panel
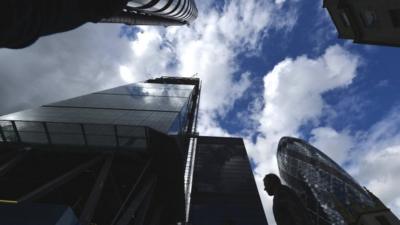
pixel 65 134
pixel 132 142
pixel 129 131
pixel 144 104
pixel 31 132
pixel 125 102
pixel 147 89
pixel 154 119
pixel 224 190
pixel 8 131
pixel 100 135
pixel 325 182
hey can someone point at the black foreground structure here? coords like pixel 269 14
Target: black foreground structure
pixel 25 21
pixel 330 194
pixel 366 21
pixel 122 156
pixel 224 190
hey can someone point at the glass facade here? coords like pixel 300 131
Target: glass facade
pixel 224 190
pixel 114 157
pixel 110 118
pixel 184 10
pixel 128 155
pixel 327 190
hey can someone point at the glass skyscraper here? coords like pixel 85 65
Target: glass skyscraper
pixel 224 190
pixel 115 156
pixel 110 118
pixel 330 194
pixel 127 155
pixel 156 12
pixel 184 10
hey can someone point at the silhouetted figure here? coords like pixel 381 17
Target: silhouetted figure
pixel 22 22
pixel 287 206
pixel 229 222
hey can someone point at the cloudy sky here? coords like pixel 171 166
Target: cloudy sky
pixel 269 69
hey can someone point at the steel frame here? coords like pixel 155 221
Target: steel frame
pixel 131 211
pixel 48 187
pixel 11 163
pixel 134 187
pixel 95 194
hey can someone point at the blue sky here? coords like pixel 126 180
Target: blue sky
pixel 269 69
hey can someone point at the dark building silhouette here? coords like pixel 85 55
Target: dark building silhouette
pixel 366 21
pixel 115 156
pixel 121 156
pixel 331 195
pixel 40 214
pixel 23 22
pixel 224 190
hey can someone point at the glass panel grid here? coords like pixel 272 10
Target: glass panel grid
pixel 76 134
pixel 8 131
pixel 124 102
pixel 151 105
pixel 31 132
pixel 325 181
pixel 65 134
pixel 156 90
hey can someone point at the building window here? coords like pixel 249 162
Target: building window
pixel 368 18
pixel 382 220
pixel 395 16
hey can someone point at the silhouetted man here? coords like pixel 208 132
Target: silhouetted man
pixel 22 22
pixel 229 222
pixel 287 206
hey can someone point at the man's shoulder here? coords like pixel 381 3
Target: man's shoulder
pixel 286 195
pixel 286 191
pixel 288 204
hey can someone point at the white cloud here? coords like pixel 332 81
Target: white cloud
pixel 126 74
pixel 93 57
pixel 376 161
pixel 61 66
pixel 209 47
pixel 293 97
pixel 336 145
pixel 293 88
pixel 379 171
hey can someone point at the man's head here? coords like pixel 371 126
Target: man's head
pixel 271 183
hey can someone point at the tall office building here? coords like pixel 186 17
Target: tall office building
pixel 122 156
pixel 156 12
pixel 115 156
pixel 366 21
pixel 330 194
pixel 224 191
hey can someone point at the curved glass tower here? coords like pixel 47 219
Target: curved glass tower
pixel 330 194
pixel 183 10
pixel 157 12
